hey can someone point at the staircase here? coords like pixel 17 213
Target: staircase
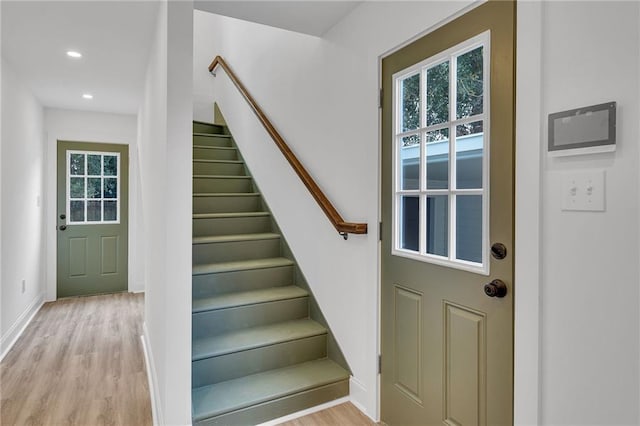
pixel 261 348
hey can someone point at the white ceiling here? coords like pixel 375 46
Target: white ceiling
pixel 307 17
pixel 113 36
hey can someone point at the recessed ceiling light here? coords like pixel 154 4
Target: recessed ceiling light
pixel 87 96
pixel 74 54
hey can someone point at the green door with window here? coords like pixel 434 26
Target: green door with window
pixel 92 218
pixel 447 214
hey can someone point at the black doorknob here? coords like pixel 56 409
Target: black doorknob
pixel 496 288
pixel 62 227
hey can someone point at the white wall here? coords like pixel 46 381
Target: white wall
pixel 22 206
pixel 85 126
pixel 321 94
pixel 590 298
pixel 164 123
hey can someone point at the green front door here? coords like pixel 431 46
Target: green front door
pixel 92 218
pixel 448 215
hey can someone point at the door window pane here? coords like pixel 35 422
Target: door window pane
pixel 410 89
pixel 470 84
pixel 437 148
pixel 410 162
pixel 410 223
pixel 110 188
pixel 438 225
pixel 110 210
pixel 469 228
pixel 94 211
pixel 110 165
pixel 438 94
pixel 77 187
pixel 76 211
pixel 469 155
pixel 93 187
pixel 93 165
pixel 76 164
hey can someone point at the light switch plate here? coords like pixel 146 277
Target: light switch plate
pixel 583 191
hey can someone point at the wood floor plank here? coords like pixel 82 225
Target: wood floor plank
pixel 79 362
pixel 341 415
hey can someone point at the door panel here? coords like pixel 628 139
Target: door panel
pixel 93 228
pixel 447 348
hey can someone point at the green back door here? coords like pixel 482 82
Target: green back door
pixel 92 218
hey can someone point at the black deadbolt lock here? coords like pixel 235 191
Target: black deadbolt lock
pixel 499 251
pixel 63 216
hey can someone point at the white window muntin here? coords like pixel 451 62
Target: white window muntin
pixel 452 192
pixel 86 175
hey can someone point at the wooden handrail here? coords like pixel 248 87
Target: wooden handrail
pixel 344 228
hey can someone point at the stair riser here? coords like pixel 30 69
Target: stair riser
pixel 231 226
pixel 261 413
pixel 227 169
pixel 212 140
pixel 208 128
pixel 224 185
pixel 232 366
pixel 214 154
pixel 228 204
pixel 206 324
pixel 237 281
pixel 236 250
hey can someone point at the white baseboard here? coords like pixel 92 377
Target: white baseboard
pixel 156 407
pixel 13 334
pixel 358 393
pixel 306 412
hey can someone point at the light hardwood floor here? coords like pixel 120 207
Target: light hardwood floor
pixel 79 362
pixel 340 415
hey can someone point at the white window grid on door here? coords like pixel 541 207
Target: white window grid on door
pixel 482 40
pixel 86 176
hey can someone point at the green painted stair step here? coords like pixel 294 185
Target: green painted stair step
pixel 207 285
pixel 209 139
pixel 255 337
pixel 222 184
pixel 228 248
pixel 202 152
pixel 209 128
pixel 226 203
pixel 226 397
pixel 241 265
pixel 218 167
pixel 244 298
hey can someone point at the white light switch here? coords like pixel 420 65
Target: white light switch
pixel 583 191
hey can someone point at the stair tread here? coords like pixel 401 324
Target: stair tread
pixel 226 194
pixel 255 337
pixel 221 177
pixel 220 398
pixel 214 147
pixel 243 298
pixel 221 215
pixel 239 265
pixel 213 135
pixel 204 160
pixel 233 238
